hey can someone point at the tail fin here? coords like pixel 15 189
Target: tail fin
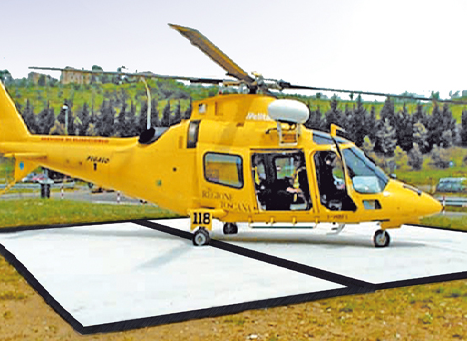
pixel 12 126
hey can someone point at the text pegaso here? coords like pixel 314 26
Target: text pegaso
pixel 98 159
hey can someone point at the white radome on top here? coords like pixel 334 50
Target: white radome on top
pixel 288 110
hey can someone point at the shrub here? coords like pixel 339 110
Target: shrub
pixel 415 157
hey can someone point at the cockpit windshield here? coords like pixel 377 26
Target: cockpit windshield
pixel 366 176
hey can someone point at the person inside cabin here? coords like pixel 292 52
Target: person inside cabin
pixel 327 182
pixel 259 177
pixel 291 190
pixel 300 182
pixel 258 170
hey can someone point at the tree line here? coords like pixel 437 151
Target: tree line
pixel 116 117
pixel 393 132
pixel 386 134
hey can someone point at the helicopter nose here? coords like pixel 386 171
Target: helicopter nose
pixel 420 203
pixel 427 206
pixel 410 202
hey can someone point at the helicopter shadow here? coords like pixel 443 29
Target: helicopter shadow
pixel 94 231
pixel 327 241
pixel 165 259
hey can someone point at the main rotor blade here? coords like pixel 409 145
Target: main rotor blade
pixel 213 52
pixel 146 74
pixel 286 85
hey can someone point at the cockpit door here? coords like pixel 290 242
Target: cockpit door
pixel 331 181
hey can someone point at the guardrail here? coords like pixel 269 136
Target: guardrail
pixel 453 201
pixel 25 185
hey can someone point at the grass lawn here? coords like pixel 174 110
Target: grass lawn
pixel 26 212
pixel 430 175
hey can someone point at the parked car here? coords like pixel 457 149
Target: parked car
pixel 454 185
pixel 28 178
pixel 35 178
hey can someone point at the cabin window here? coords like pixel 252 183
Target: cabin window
pixel 224 169
pixel 193 133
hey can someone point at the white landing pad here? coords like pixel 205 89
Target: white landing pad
pixel 135 276
pixel 119 276
pixel 414 253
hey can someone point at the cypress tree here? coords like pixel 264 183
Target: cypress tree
pixel 388 112
pixel 435 127
pixel 46 120
pixel 105 125
pixel 387 138
pixel 404 130
pixel 177 115
pixel 464 128
pixel 121 121
pixel 49 121
pixel 143 117
pixel 187 113
pixel 358 122
pixel 131 121
pixel 315 119
pixel 29 117
pixel 449 127
pixel 370 124
pixel 165 121
pixel 420 137
pixel 415 158
pixel 334 115
pixel 155 121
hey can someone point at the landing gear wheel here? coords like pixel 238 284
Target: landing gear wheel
pixel 381 238
pixel 230 228
pixel 201 237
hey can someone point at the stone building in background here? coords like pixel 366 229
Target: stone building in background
pixel 71 75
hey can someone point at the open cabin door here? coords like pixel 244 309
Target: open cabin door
pixel 280 180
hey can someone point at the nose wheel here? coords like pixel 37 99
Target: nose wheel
pixel 381 238
pixel 201 237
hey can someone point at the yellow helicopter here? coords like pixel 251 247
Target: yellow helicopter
pixel 243 157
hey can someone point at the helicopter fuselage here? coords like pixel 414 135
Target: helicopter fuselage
pixel 207 164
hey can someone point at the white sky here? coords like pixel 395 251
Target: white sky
pixel 383 46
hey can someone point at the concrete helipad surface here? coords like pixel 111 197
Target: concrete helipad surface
pixel 117 276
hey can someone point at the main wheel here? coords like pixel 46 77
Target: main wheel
pixel 230 228
pixel 381 238
pixel 201 237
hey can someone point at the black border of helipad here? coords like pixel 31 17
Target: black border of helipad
pixel 352 286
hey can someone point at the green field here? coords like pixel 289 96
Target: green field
pixel 429 175
pixel 27 212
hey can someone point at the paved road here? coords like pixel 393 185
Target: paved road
pixel 79 195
